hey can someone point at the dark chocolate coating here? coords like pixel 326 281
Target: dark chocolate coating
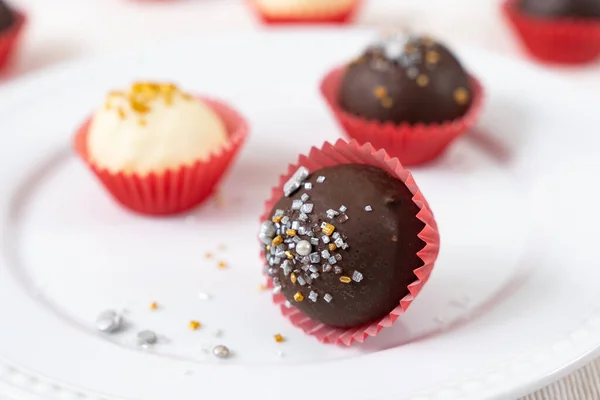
pixel 553 9
pixel 421 87
pixel 383 245
pixel 7 17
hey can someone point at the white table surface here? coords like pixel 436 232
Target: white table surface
pixel 62 30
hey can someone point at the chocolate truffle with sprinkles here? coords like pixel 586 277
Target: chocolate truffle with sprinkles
pixel 406 79
pixel 585 9
pixel 341 243
pixel 7 17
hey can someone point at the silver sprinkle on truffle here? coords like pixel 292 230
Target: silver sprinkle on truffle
pixel 357 276
pixel 327 297
pixel 304 197
pixel 307 208
pixel 308 186
pixel 343 208
pixel 295 181
pixel 321 179
pixel 368 208
pixel 303 248
pixel 296 204
pixel 313 296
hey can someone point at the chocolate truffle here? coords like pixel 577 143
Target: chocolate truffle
pixel 342 243
pixel 7 17
pixel 406 79
pixel 588 9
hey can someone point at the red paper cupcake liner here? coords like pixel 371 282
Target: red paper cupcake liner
pixel 411 144
pixel 334 15
pixel 353 153
pixel 171 191
pixel 9 39
pixel 562 41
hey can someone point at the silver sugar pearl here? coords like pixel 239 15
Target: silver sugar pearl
pixel 313 296
pixel 314 275
pixel 332 260
pixel 343 208
pixel 304 197
pixel 308 186
pixel 320 179
pixel 109 321
pixel 295 225
pixel 339 242
pixel 314 241
pixel 335 235
pixel 327 297
pixel 325 239
pixel 146 338
pixel 368 208
pixel 221 351
pixel 325 254
pixel 301 281
pixel 303 247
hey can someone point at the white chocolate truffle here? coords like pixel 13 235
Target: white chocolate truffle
pixel 153 127
pixel 281 7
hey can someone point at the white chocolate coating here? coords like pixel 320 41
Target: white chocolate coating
pixel 161 128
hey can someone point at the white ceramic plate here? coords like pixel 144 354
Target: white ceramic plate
pixel 512 303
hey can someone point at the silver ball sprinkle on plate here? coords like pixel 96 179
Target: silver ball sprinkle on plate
pixel 303 248
pixel 221 351
pixel 146 338
pixel 109 321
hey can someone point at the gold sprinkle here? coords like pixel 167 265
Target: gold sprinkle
pixel 289 254
pixel 394 238
pixel 328 229
pixel 387 102
pixel 332 246
pixel 277 219
pixel 153 305
pixel 422 80
pixel 222 265
pixel 432 57
pixel 194 325
pixel 279 338
pixel 290 232
pixel 298 297
pixel 293 277
pixel 461 96
pixel 268 247
pixel 345 279
pixel 277 240
pixel 380 92
pixel 121 113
